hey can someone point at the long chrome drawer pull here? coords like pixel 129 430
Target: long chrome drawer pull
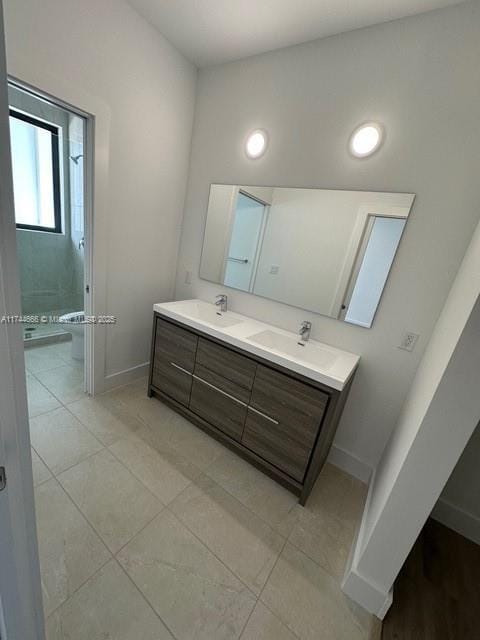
pixel 264 415
pixel 224 393
pixel 180 368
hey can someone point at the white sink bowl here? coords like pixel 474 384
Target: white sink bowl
pixel 309 352
pixel 205 312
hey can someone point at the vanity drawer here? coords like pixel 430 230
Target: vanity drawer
pixel 175 344
pixel 283 420
pixel 172 380
pixel 289 402
pixel 273 441
pixel 222 383
pixel 226 363
pixel 220 409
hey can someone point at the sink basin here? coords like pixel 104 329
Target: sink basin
pixel 310 352
pixel 205 312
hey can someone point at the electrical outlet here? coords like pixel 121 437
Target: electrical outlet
pixel 188 277
pixel 274 269
pixel 409 341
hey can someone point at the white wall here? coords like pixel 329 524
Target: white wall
pixel 419 76
pixel 440 414
pixel 108 51
pixel 459 504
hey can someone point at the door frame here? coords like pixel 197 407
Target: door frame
pixel 98 118
pixel 88 268
pixel 357 237
pixel 21 609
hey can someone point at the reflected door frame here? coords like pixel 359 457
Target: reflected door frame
pixel 360 239
pixel 233 210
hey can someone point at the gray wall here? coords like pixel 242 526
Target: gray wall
pixel 420 77
pixel 51 274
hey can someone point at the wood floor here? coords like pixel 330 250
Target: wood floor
pixel 437 593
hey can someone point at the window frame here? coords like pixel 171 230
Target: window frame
pixel 57 203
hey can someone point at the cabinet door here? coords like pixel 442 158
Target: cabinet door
pixel 173 360
pixel 171 379
pixel 175 344
pixel 283 421
pixel 221 409
pixel 233 367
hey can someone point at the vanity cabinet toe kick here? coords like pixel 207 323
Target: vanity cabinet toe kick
pixel 280 421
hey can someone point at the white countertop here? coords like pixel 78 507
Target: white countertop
pixel 315 360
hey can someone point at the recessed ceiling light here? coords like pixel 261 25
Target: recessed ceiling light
pixel 366 139
pixel 256 144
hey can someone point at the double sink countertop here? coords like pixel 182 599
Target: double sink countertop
pixel 312 359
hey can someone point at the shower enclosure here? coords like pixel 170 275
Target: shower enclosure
pixel 47 144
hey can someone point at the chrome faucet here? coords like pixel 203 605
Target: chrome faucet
pixel 305 329
pixel 222 302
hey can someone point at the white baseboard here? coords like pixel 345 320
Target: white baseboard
pixel 366 594
pixel 124 377
pixel 463 522
pixel 350 463
pixel 357 586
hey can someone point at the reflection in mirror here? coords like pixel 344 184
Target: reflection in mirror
pixel 325 251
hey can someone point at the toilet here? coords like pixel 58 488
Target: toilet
pixel 75 321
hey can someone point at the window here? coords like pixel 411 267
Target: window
pixel 36 173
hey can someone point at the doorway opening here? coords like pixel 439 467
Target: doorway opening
pixel 51 196
pixel 245 241
pixel 374 260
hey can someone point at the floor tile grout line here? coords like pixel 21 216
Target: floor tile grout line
pixel 203 543
pixel 239 502
pixel 164 504
pixel 309 557
pixel 262 589
pixel 135 476
pixel 71 595
pixel 146 599
pixel 87 457
pixel 32 373
pixel 105 448
pixel 65 406
pixel 91 523
pixel 84 517
pixel 52 475
pixel 87 520
pixel 62 403
pixel 249 509
pixel 140 531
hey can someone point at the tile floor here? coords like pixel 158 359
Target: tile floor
pixel 151 530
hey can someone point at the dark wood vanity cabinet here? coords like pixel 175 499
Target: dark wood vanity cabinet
pixel 283 423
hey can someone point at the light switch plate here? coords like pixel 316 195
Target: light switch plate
pixel 409 340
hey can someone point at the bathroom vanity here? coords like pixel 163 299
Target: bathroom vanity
pixel 261 391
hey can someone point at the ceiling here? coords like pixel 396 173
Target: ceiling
pixel 213 31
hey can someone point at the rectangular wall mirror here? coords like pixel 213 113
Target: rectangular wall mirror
pixel 321 250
